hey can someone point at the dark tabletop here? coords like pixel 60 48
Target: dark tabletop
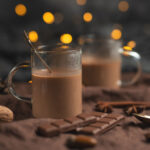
pixel 129 135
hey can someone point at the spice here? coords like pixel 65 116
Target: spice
pixel 134 109
pixel 104 108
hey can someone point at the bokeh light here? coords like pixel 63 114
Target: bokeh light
pixel 123 6
pixel 127 48
pixel 87 17
pixel 58 18
pixel 132 44
pixel 125 53
pixel 48 17
pixel 30 81
pixel 20 10
pixel 81 2
pixel 116 34
pixel 66 38
pixel 33 36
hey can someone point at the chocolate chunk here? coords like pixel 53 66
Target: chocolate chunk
pixel 63 125
pixel 99 114
pixel 47 130
pixel 99 125
pixel 89 130
pixel 74 120
pixel 86 117
pixel 107 120
pixel 115 116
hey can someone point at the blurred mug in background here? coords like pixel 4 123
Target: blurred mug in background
pixel 101 62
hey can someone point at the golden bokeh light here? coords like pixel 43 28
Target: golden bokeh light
pixel 123 6
pixel 81 2
pixel 33 36
pixel 127 48
pixel 66 38
pixel 20 10
pixel 30 81
pixel 132 44
pixel 58 18
pixel 126 53
pixel 87 17
pixel 48 17
pixel 116 34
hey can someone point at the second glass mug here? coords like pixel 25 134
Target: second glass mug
pixel 55 94
pixel 101 62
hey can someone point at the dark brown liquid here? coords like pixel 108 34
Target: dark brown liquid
pixel 56 95
pixel 105 73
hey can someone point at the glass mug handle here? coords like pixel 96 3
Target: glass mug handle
pixel 10 83
pixel 136 57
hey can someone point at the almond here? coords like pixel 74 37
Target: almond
pixel 6 115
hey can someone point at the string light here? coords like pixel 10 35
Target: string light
pixel 66 38
pixel 81 2
pixel 123 6
pixel 20 10
pixel 87 17
pixel 48 17
pixel 33 36
pixel 58 18
pixel 132 44
pixel 116 34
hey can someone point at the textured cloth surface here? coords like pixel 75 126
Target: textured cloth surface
pixel 129 135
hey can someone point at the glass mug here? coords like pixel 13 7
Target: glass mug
pixel 101 62
pixel 55 94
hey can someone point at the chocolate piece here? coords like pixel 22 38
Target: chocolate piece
pixel 81 141
pixel 74 120
pixel 89 130
pixel 63 125
pixel 99 125
pixel 99 114
pixel 115 116
pixel 102 125
pixel 107 120
pixel 47 130
pixel 88 118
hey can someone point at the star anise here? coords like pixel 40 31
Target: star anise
pixel 104 108
pixel 134 109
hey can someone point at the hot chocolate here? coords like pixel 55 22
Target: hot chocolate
pixel 101 72
pixel 56 95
